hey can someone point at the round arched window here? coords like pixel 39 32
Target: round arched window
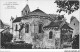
pixel 50 34
pixel 40 28
pixel 27 28
pixel 16 27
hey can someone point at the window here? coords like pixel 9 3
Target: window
pixel 50 34
pixel 27 28
pixel 40 28
pixel 16 27
pixel 74 23
pixel 21 27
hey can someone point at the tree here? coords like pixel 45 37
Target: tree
pixel 67 6
pixel 6 37
pixel 75 44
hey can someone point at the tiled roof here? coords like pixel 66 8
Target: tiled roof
pixel 18 19
pixel 66 26
pixel 53 16
pixel 53 24
pixel 38 12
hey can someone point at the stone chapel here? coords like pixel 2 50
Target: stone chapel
pixel 38 28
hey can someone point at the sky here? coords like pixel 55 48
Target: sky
pixel 13 8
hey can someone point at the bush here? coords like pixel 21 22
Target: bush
pixel 75 44
pixel 10 45
pixel 6 37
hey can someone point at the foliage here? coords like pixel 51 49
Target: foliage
pixel 75 44
pixel 67 6
pixel 10 45
pixel 6 37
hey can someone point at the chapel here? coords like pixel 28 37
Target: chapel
pixel 40 29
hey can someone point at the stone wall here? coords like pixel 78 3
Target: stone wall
pixel 39 40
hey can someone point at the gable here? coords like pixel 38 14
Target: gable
pixel 66 26
pixel 26 10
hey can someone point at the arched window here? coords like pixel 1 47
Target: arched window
pixel 50 34
pixel 27 28
pixel 40 28
pixel 16 28
pixel 74 23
